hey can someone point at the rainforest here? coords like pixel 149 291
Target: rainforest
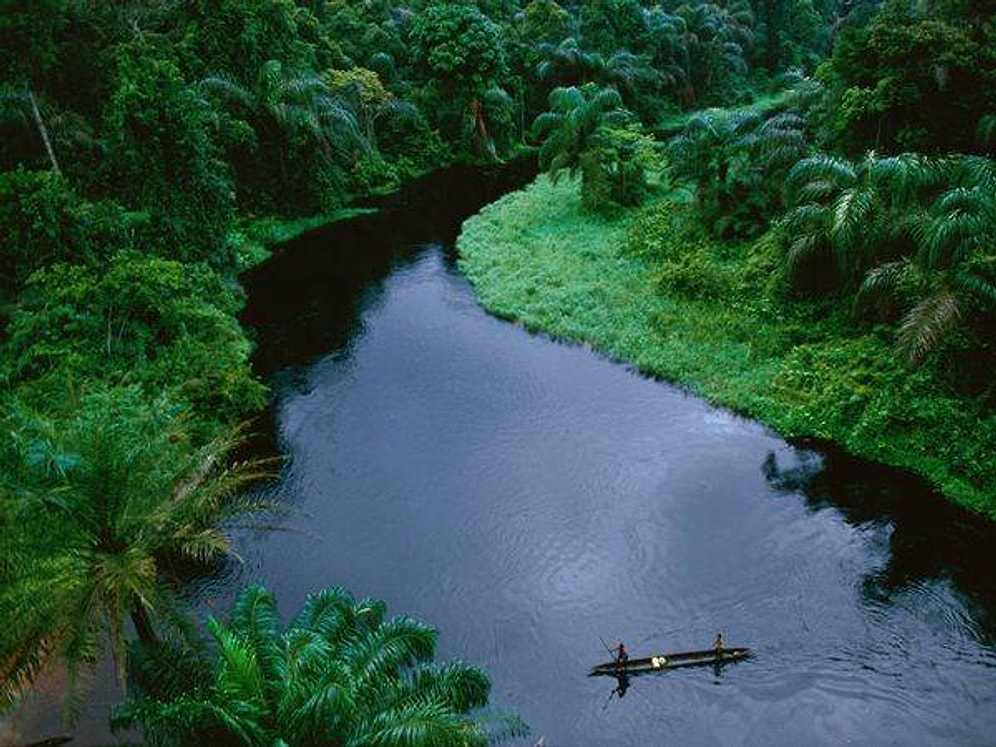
pixel 217 216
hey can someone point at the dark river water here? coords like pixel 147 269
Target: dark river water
pixel 531 499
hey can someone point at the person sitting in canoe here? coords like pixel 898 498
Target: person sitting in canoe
pixel 718 645
pixel 621 656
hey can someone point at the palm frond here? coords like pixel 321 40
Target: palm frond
pixel 425 722
pixel 974 284
pixel 397 643
pixel 461 686
pixel 950 238
pixel 254 617
pixel 852 216
pixel 500 726
pixel 804 246
pixel 887 279
pixel 325 612
pixel 226 88
pixel 926 324
pixel 821 168
pixel 239 675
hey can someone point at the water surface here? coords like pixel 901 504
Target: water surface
pixel 531 499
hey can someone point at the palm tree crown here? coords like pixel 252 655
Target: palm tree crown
pixel 112 510
pixel 338 674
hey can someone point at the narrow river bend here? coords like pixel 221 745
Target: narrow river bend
pixel 529 498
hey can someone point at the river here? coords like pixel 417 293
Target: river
pixel 531 499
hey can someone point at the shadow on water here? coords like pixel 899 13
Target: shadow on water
pixel 307 300
pixel 930 539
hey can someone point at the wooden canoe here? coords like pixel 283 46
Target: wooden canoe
pixel 664 662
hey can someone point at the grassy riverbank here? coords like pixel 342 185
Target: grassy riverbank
pixel 644 289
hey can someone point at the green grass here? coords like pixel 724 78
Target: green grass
pixel 643 289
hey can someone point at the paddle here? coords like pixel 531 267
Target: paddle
pixel 607 647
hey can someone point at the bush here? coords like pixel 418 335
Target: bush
pixel 42 221
pixel 693 274
pixel 137 319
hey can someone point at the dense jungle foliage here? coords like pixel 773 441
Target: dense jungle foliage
pixel 147 147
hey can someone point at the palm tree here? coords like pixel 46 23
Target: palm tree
pixel 913 230
pixel 949 273
pixel 701 153
pixel 567 64
pixel 715 39
pixel 283 105
pixel 736 160
pixel 855 212
pixel 112 510
pixel 338 674
pixel 630 74
pixel 667 34
pixel 574 116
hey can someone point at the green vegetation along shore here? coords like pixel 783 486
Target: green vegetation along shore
pixel 647 287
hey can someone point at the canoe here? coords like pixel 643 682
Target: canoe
pixel 664 662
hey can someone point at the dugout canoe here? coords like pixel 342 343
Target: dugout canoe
pixel 664 662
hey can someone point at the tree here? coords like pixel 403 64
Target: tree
pixel 29 48
pixel 667 45
pixel 544 21
pixel 135 319
pixel 44 221
pixel 737 161
pixel 294 116
pixel 715 38
pixel 112 508
pixel 368 97
pixel 161 156
pixel 462 53
pixel 567 64
pixel 850 213
pixel 913 231
pixel 790 33
pixel 912 80
pixel 587 130
pixel 947 283
pixel 235 38
pixel 360 31
pixel 575 114
pixel 608 26
pixel 614 167
pixel 16 104
pixel 339 673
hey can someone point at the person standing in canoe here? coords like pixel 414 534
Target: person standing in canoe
pixel 621 656
pixel 718 645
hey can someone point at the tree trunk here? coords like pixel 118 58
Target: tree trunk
pixel 480 127
pixel 143 625
pixel 41 129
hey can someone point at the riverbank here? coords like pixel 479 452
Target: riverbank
pixel 642 289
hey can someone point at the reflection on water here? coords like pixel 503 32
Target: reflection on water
pixel 931 543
